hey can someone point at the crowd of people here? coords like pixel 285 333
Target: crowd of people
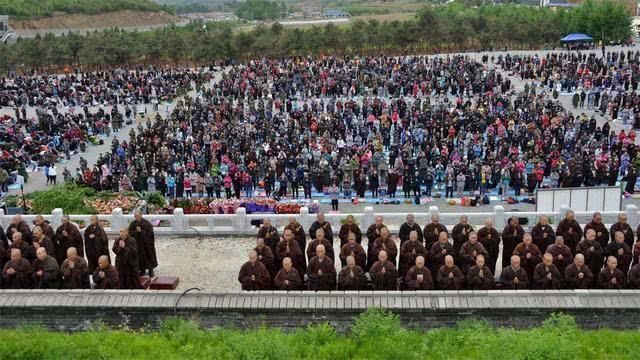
pixel 567 257
pixel 40 257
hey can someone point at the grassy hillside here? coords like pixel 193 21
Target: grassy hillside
pixel 31 9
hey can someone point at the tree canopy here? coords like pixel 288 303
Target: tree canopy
pixel 261 10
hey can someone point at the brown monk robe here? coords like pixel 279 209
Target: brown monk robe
pixel 254 275
pixel 489 238
pixel 352 277
pixel 19 225
pixel 570 230
pixel 406 229
pixel 542 234
pixel 578 275
pixel 298 232
pixel 67 236
pixel 288 278
pixel 419 277
pixel 432 231
pixel 321 271
pixel 529 254
pixel 96 243
pixel 142 230
pixel 479 276
pixel 562 255
pixel 266 257
pixel 384 242
pixel 27 251
pixel 611 277
pixel 40 240
pixel 352 248
pixel 45 270
pixel 3 254
pixel 633 281
pixel 636 254
pixel 74 269
pixel 449 276
pixel 602 234
pixel 409 252
pixel 288 248
pixel 592 251
pixel 460 235
pixel 384 274
pixel 47 230
pixel 321 223
pixel 514 277
pixel 373 232
pixel 621 251
pixel 126 251
pixel 17 272
pixel 438 252
pixel 623 227
pixel 546 275
pixel 270 234
pixel 320 240
pixel 469 251
pixel 349 226
pixel 511 236
pixel 105 275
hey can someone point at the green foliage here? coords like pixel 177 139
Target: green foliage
pixel 261 10
pixel 376 323
pixel 28 9
pixel 357 10
pixel 154 198
pixel 69 197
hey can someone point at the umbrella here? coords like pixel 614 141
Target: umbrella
pixel 576 37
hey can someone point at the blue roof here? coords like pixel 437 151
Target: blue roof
pixel 576 37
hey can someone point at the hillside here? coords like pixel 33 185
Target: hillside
pixel 35 9
pixel 126 18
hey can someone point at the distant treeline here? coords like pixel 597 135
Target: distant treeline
pixel 28 9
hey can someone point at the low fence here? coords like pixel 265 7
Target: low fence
pixel 240 223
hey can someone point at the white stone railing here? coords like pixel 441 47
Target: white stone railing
pixel 240 223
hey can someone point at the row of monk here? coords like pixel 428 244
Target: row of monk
pixel 427 258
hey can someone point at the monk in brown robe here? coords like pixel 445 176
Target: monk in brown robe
pixel 611 277
pixel 45 227
pixel 439 250
pixel 406 229
pixel 449 276
pixel 373 232
pixel 105 275
pixel 621 251
pixel 469 251
pixel 266 257
pixel 320 240
pixel 419 277
pixel 288 278
pixel 636 253
pixel 142 230
pixel 288 248
pixel 67 236
pixel 270 234
pixel 489 238
pixel 432 231
pixel 127 263
pixel 602 234
pixel 546 275
pixel 562 255
pixel 623 227
pixel 352 277
pixel 542 234
pixel 45 270
pixel 460 235
pixel 19 225
pixel 74 269
pixel 514 277
pixel 17 272
pixel 633 281
pixel 4 255
pixel 529 254
pixel 578 275
pixel 386 243
pixel 479 276
pixel 254 275
pixel 384 275
pixel 26 250
pixel 592 251
pixel 511 236
pixel 42 241
pixel 96 243
pixel 409 252
pixel 352 248
pixel 321 223
pixel 570 230
pixel 349 226
pixel 321 271
pixel 298 232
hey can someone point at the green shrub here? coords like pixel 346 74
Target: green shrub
pixel 69 197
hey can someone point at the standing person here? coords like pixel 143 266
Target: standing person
pixel 227 186
pixel 171 186
pixel 187 186
pixel 105 275
pixel 67 236
pixel 334 193
pixel 208 184
pixel 45 270
pixel 217 186
pixel 127 263
pixel 511 236
pixel 321 271
pixel 306 186
pixel 374 183
pixel 96 243
pixel 142 231
pixel 74 270
pixel 460 181
pixel 53 174
pixel 253 274
pixel 17 272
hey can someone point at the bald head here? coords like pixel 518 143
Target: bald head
pixel 253 256
pixel 320 251
pixel 515 262
pixel 41 253
pixel 287 263
pixel 351 261
pixel 448 261
pixel 578 260
pixel 547 259
pixel 382 255
pixel 16 254
pixel 103 262
pixel 72 253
